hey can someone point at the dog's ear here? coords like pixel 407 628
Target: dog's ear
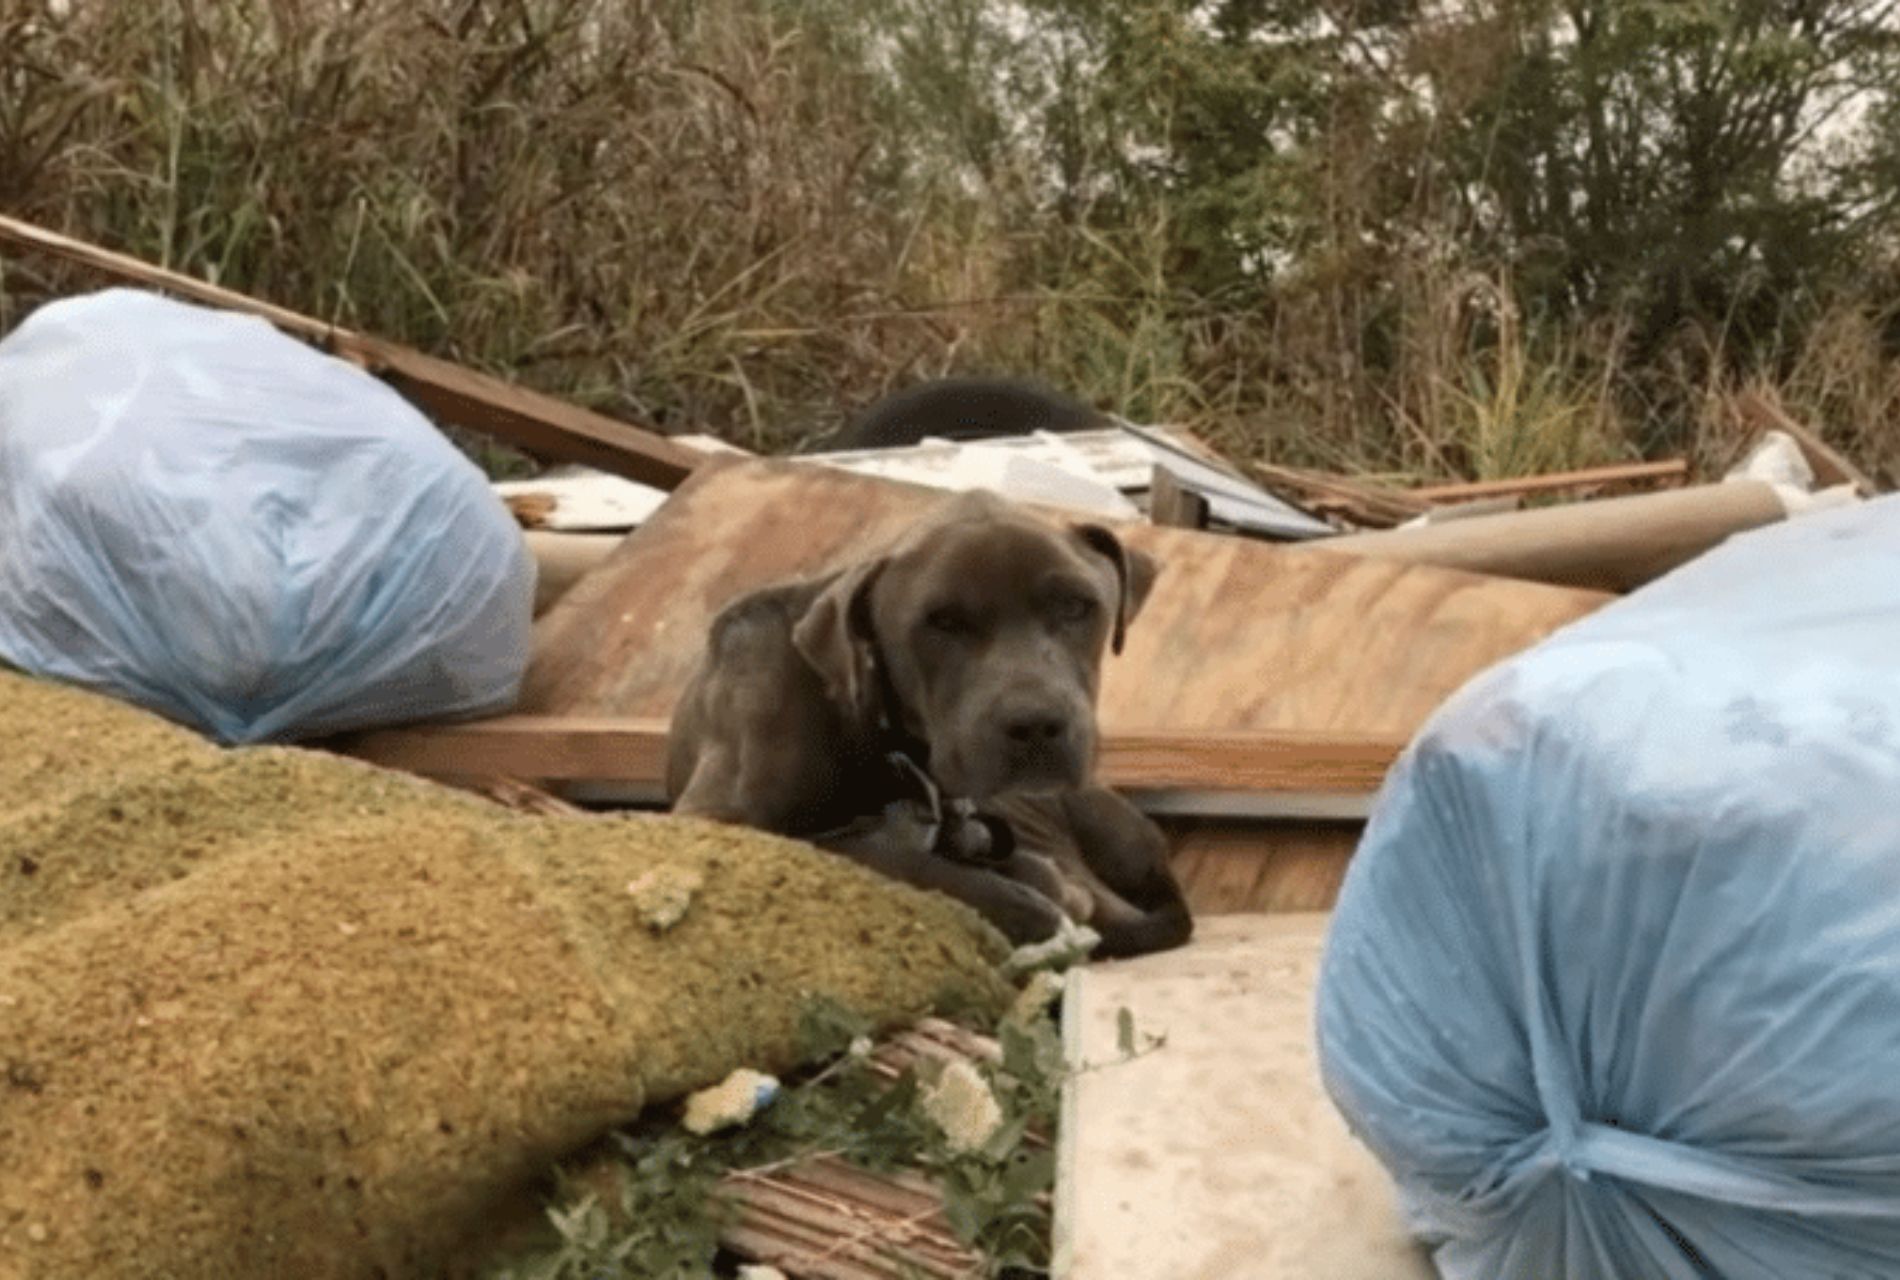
pixel 834 635
pixel 1135 573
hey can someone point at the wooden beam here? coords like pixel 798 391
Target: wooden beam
pixel 540 749
pixel 453 394
pixel 1668 471
pixel 1245 762
pixel 572 749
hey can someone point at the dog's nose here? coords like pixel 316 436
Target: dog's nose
pixel 1035 728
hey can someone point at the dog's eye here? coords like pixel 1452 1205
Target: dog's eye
pixel 951 622
pixel 1073 608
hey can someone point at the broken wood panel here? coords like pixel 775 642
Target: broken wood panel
pixel 633 750
pixel 460 396
pixel 1238 635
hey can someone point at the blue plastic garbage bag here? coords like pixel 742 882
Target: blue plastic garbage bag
pixel 1613 985
pixel 208 518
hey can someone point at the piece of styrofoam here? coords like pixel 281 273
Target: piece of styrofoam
pixel 1050 473
pixel 1114 455
pixel 586 500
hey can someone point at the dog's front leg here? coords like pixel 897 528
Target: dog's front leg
pixel 1139 905
pixel 902 844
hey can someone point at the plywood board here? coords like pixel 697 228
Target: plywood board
pixel 1217 1154
pixel 1228 867
pixel 1237 636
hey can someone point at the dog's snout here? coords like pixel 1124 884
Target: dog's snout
pixel 1036 727
pixel 1033 744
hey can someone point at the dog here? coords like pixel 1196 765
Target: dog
pixel 971 408
pixel 930 713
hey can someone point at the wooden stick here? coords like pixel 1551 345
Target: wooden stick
pixel 821 1229
pixel 633 750
pixel 1762 408
pixel 512 793
pixel 454 394
pixel 1669 471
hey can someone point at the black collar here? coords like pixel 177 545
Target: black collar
pixel 907 755
pixel 908 758
pixel 893 734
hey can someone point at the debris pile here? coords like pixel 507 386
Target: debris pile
pixel 274 1011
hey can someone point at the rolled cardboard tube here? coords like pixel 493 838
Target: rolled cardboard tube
pixel 1612 544
pixel 560 560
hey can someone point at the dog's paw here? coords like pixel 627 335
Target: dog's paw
pixel 1040 873
pixel 1023 915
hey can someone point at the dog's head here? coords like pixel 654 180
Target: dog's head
pixel 984 632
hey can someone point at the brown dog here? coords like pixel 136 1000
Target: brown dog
pixel 931 713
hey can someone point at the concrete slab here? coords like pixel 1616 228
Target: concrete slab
pixel 1217 1156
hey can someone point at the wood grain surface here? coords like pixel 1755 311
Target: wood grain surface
pixel 1231 867
pixel 1238 635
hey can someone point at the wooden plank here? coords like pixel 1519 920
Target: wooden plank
pixel 1238 635
pixel 1760 407
pixel 1667 472
pixel 633 750
pixel 1246 761
pixel 1216 1153
pixel 454 394
pixel 541 749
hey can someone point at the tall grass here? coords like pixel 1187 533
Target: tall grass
pixel 715 215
